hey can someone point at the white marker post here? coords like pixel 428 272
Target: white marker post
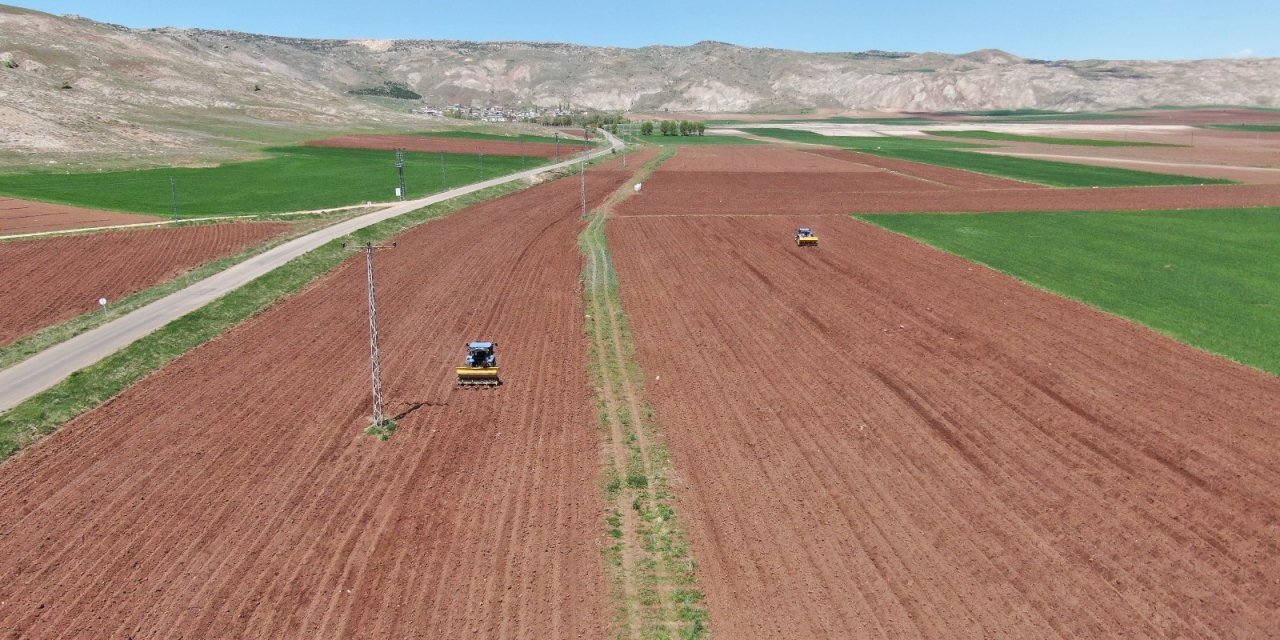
pixel 102 302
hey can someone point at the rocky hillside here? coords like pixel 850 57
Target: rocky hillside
pixel 69 83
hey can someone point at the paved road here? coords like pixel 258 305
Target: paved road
pixel 51 366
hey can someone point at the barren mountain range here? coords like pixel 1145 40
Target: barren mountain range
pixel 71 83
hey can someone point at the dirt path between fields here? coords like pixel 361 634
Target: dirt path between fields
pixel 652 575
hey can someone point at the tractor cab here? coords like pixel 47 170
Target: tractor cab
pixel 805 237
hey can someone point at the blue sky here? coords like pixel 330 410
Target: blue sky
pixel 1113 29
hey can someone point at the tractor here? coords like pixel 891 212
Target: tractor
pixel 481 366
pixel 805 237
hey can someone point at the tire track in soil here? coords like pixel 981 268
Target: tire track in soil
pixel 1091 478
pixel 233 493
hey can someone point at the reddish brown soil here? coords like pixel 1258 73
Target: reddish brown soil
pixel 23 216
pixel 880 440
pixel 50 280
pixel 447 145
pixel 233 495
pixel 763 184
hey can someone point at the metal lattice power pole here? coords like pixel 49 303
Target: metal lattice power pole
pixel 375 356
pixel 400 192
pixel 443 181
pixel 582 185
pixel 173 196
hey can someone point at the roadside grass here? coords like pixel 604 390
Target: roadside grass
pixel 1203 277
pixel 29 345
pixel 1252 128
pixel 947 153
pixel 1080 142
pixel 85 389
pixel 293 179
pixel 656 593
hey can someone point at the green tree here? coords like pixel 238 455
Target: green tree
pixel 700 127
pixel 646 128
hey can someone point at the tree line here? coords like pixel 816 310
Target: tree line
pixel 674 128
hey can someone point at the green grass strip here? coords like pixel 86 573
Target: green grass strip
pixel 1039 114
pixel 667 600
pixel 85 389
pixel 293 179
pixel 1078 142
pixel 1204 277
pixel 1252 128
pixel 947 153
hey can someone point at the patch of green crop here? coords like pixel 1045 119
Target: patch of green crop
pixel 1039 114
pixel 292 179
pixel 1252 128
pixel 947 153
pixel 1204 277
pixel 1079 142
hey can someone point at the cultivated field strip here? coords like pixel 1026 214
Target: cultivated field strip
pixel 24 216
pixel 49 280
pixel 939 175
pixel 233 493
pixel 767 180
pixel 879 439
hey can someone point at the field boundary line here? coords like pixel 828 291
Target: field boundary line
pixel 651 573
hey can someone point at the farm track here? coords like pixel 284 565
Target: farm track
pixel 51 280
pixel 233 493
pixel 25 216
pixel 649 566
pixel 879 439
pixel 429 144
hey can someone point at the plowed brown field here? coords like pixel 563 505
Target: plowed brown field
pixel 24 216
pixel 762 181
pixel 880 440
pixel 450 145
pixel 233 495
pixel 50 280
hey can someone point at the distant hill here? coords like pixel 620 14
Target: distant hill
pixel 70 83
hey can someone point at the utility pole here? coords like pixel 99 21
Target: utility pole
pixel 482 165
pixel 443 181
pixel 400 191
pixel 582 185
pixel 557 146
pixel 375 357
pixel 173 196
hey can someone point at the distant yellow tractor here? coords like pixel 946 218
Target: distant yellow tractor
pixel 805 237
